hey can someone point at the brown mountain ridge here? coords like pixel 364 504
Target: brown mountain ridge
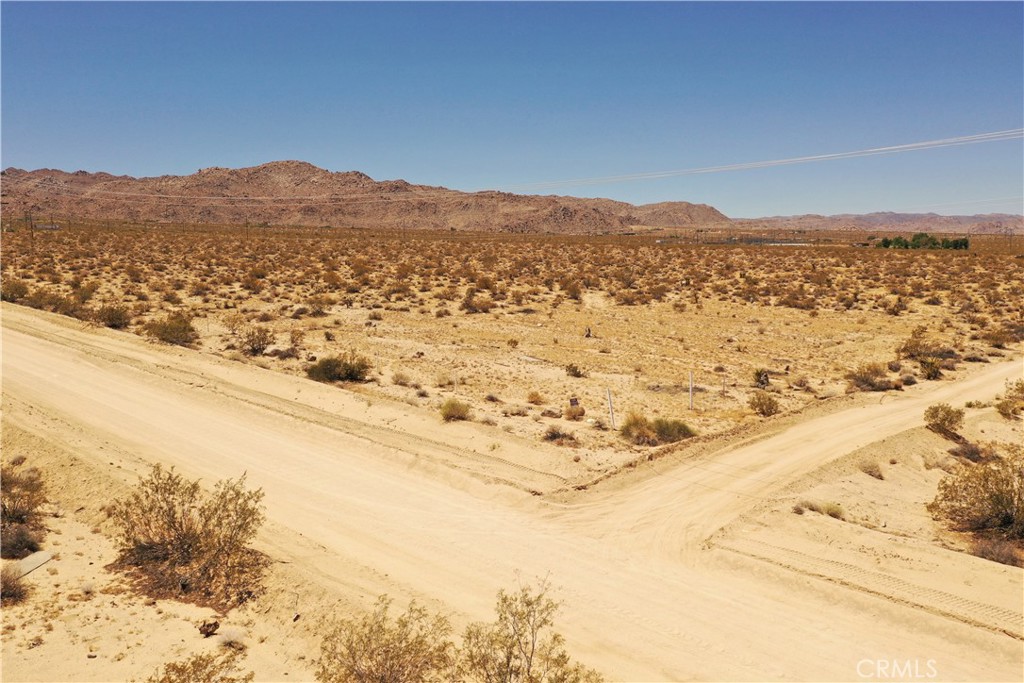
pixel 299 193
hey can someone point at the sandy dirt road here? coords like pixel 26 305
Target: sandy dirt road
pixel 643 599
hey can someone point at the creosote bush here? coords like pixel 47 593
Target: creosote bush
pixel 415 647
pixel 412 647
pixel 986 495
pixel 348 367
pixel 181 542
pixel 763 403
pixel 218 667
pixel 870 377
pixel 256 339
pixel 944 418
pixel 116 317
pixel 174 328
pixel 453 410
pixel 21 495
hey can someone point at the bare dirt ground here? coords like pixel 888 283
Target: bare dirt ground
pixel 691 567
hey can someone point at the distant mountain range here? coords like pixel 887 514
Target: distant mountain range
pixel 298 193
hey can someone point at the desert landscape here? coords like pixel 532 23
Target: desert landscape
pixel 733 459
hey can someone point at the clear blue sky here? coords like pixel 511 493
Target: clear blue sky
pixel 501 96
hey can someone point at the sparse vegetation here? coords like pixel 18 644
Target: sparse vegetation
pixel 872 469
pixel 997 550
pixel 348 367
pixel 944 418
pixel 763 403
pixel 22 494
pixel 985 496
pixel 174 328
pixel 218 667
pixel 453 410
pixel 870 377
pixel 13 588
pixel 641 431
pixel 181 542
pixel 415 647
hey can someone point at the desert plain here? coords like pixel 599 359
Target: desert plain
pixel 785 536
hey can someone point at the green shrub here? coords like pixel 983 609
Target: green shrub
pixel 116 317
pixel 175 328
pixel 185 543
pixel 987 495
pixel 12 290
pixel 519 647
pixel 454 409
pixel 944 418
pixel 348 367
pixel 256 339
pixel 1012 403
pixel 375 648
pixel 870 377
pixel 763 403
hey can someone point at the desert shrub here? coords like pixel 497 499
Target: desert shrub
pixel 400 379
pixel 573 370
pixel 987 495
pixel 870 377
pixel 18 540
pixel 175 328
pixel 182 542
pixel 761 378
pixel 12 290
pixel 454 409
pixel 535 398
pixel 519 646
pixel 559 436
pixel 115 316
pixel 575 413
pixel 638 430
pixel 21 495
pixel 219 667
pixel 944 418
pixel 318 305
pixel 763 403
pixel 255 339
pixel 13 588
pixel 670 431
pixel 348 367
pixel 1011 404
pixel 834 510
pixel 412 648
pixel 930 368
pixel 872 469
pixel 997 550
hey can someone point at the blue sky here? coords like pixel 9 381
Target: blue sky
pixel 517 95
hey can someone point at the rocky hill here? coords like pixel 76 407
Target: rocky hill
pixel 298 193
pixel 994 223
